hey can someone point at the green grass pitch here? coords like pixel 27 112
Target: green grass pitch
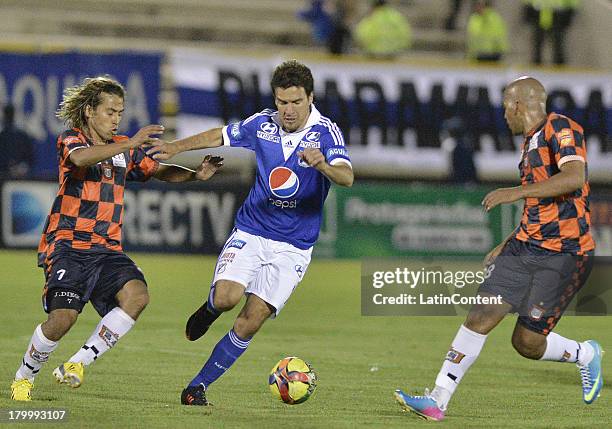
pixel 359 360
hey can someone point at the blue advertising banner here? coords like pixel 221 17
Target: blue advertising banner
pixel 34 84
pixel 190 217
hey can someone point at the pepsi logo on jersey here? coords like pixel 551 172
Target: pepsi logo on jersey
pixel 283 182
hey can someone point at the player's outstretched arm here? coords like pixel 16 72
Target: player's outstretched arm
pixel 93 154
pixel 569 179
pixel 176 173
pixel 341 174
pixel 162 150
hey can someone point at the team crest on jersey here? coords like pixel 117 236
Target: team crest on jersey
pixel 107 170
pixel 301 162
pixel 536 312
pixel 299 270
pixel 283 182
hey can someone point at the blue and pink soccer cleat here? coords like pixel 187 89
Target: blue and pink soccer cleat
pixel 592 380
pixel 423 406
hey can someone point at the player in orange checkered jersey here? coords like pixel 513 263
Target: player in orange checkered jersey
pixel 80 249
pixel 539 268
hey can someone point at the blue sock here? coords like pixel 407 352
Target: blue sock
pixel 223 356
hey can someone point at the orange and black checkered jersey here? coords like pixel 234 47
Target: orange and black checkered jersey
pixel 88 210
pixel 562 223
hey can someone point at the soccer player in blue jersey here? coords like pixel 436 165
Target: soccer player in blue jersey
pixel 299 153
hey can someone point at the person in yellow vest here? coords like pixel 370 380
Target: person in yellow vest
pixel 552 18
pixel 384 32
pixel 487 36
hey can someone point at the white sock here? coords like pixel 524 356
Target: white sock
pixel 111 328
pixel 561 349
pixel 463 353
pixel 585 354
pixel 36 355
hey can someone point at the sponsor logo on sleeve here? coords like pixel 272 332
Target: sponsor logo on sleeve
pixel 565 137
pixel 336 151
pixel 235 131
pixel 71 140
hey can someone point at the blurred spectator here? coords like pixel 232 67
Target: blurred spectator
pixel 552 18
pixel 16 151
pixel 320 20
pixel 340 38
pixel 460 143
pixel 487 36
pixel 451 20
pixel 384 32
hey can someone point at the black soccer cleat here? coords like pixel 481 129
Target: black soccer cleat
pixel 194 395
pixel 199 322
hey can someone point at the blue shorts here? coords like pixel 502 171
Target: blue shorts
pixel 75 277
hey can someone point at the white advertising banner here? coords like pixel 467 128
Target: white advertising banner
pixel 395 115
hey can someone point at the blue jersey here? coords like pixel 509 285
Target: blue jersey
pixel 286 201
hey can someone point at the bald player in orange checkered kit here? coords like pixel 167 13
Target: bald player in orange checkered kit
pixel 539 268
pixel 80 249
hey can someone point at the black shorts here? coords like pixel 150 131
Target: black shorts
pixel 75 277
pixel 537 282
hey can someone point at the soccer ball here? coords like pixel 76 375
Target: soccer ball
pixel 292 380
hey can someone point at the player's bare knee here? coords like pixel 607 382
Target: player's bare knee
pixel 227 295
pixel 481 322
pixel 135 304
pixel 246 327
pixel 225 302
pixel 140 301
pixel 482 318
pixel 59 323
pixel 528 346
pixel 133 298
